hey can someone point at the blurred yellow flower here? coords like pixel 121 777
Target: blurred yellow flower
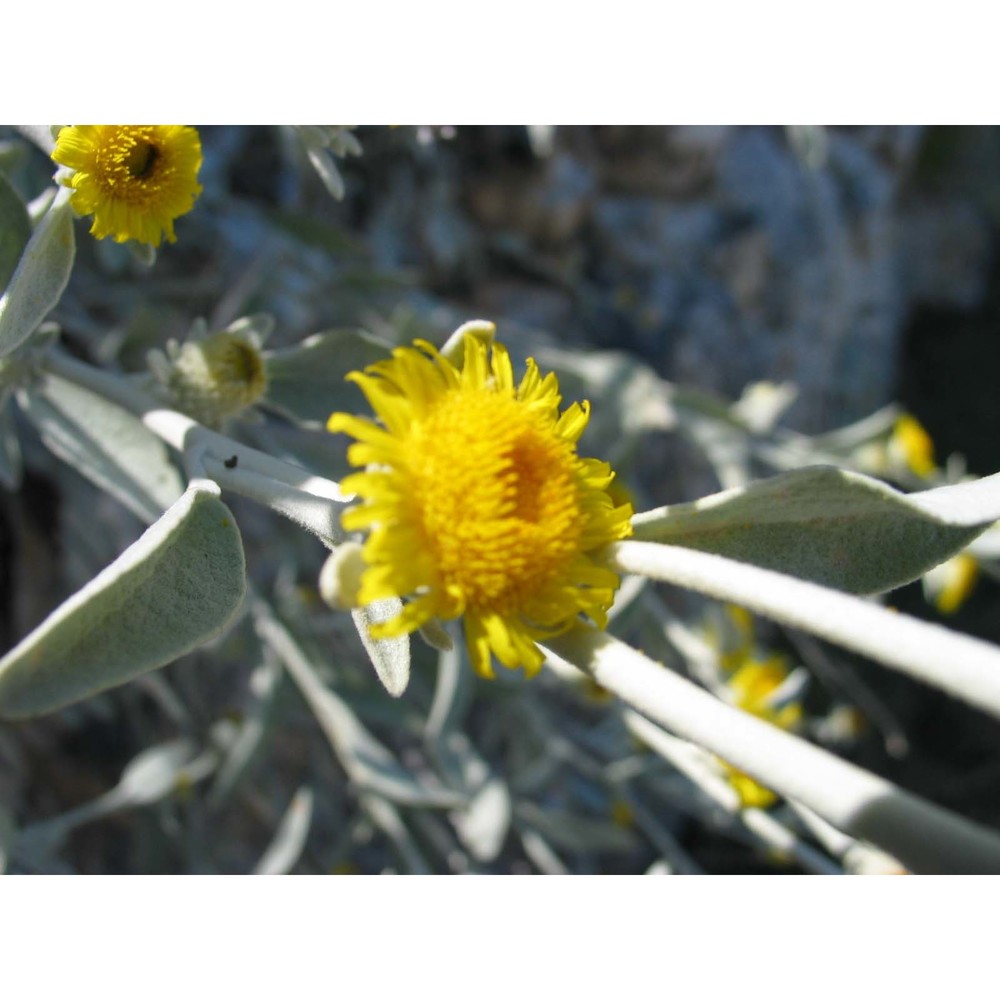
pixel 134 179
pixel 949 585
pixel 752 685
pixel 752 794
pixel 476 502
pixel 752 689
pixel 911 445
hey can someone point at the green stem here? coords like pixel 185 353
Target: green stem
pixel 187 436
pixel 923 836
pixel 965 667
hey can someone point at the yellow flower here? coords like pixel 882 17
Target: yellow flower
pixel 134 179
pixel 476 502
pixel 949 584
pixel 752 688
pixel 752 794
pixel 911 445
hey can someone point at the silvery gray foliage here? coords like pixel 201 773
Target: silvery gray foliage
pixel 830 525
pixel 41 275
pixel 325 142
pixel 105 443
pixel 175 588
pixel 793 546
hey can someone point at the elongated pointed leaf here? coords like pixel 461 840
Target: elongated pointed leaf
pixel 285 850
pixel 178 586
pixel 831 526
pixel 41 275
pixel 390 657
pixel 965 667
pixel 924 837
pixel 104 442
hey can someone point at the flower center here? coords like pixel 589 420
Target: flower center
pixel 141 159
pixel 497 497
pixel 129 165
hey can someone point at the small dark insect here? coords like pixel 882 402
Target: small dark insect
pixel 230 463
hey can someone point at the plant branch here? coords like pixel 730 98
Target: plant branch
pixel 965 667
pixel 187 436
pixel 923 836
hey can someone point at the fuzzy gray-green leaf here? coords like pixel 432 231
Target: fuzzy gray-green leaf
pixel 175 588
pixel 307 381
pixel 390 657
pixel 105 443
pixel 40 277
pixel 831 526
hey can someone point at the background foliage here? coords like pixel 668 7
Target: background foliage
pixel 856 264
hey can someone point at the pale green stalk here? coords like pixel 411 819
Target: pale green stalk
pixel 923 836
pixel 760 824
pixel 965 667
pixel 186 435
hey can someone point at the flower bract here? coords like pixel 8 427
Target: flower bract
pixel 476 502
pixel 134 179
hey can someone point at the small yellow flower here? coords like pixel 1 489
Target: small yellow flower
pixel 752 688
pixel 134 179
pixel 911 445
pixel 476 502
pixel 949 584
pixel 752 794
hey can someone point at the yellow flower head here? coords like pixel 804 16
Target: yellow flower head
pixel 950 584
pixel 134 179
pixel 912 446
pixel 752 688
pixel 476 502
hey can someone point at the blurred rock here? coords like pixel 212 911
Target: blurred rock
pixel 944 245
pixel 547 202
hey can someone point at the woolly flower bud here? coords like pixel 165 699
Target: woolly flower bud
pixel 340 578
pixel 214 378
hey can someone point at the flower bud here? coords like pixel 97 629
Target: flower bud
pixel 216 378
